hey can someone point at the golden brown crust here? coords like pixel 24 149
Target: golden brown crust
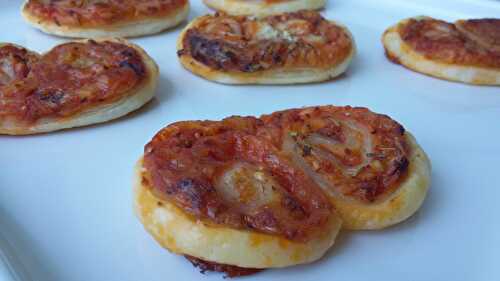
pixel 74 79
pixel 444 42
pixel 88 14
pixel 224 173
pixel 248 49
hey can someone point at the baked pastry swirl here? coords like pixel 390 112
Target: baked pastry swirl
pixel 289 48
pixel 249 193
pixel 74 84
pixel 112 18
pixel 466 51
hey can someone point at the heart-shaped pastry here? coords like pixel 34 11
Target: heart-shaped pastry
pixel 113 18
pixel 466 51
pixel 74 84
pixel 288 48
pixel 247 193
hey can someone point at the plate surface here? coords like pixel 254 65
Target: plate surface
pixel 65 197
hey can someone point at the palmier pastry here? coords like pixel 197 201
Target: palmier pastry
pixel 244 194
pixel 467 51
pixel 74 84
pixel 263 7
pixel 112 18
pixel 289 48
pixel 373 171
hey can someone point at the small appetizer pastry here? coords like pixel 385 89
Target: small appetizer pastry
pixel 261 8
pixel 74 84
pixel 373 171
pixel 467 51
pixel 225 197
pixel 113 18
pixel 245 193
pixel 290 48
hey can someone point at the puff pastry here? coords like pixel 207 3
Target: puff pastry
pixel 113 18
pixel 74 84
pixel 246 193
pixel 289 48
pixel 466 51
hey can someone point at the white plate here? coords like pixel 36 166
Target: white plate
pixel 65 197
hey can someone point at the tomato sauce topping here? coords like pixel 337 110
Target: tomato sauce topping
pixel 270 174
pixel 70 78
pixel 472 42
pixel 485 32
pixel 349 152
pixel 246 44
pixel 92 13
pixel 222 172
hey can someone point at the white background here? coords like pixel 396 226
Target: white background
pixel 65 197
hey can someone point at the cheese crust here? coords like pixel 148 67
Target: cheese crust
pixel 290 48
pixel 55 106
pixel 67 20
pixel 261 8
pixel 182 234
pixel 467 51
pixel 253 192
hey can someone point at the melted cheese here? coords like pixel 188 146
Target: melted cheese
pixel 268 32
pixel 248 187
